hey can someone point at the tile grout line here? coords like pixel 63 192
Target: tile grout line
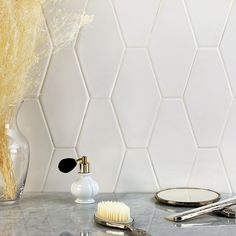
pixel 227 115
pixel 85 85
pixel 190 72
pixel 225 170
pixel 154 170
pixel 48 169
pixel 79 64
pixel 226 119
pixel 64 147
pixel 192 168
pixel 122 59
pixel 124 49
pixel 51 142
pixel 155 73
pixel 45 77
pixel 82 126
pixel 149 141
pixel 185 105
pixel 82 123
pixel 119 171
pixel 207 147
pixel 80 69
pixel 49 59
pixel 118 122
pixel 122 35
pixel 226 72
pixel 154 23
pixel 46 122
pixel 155 123
pixel 157 105
pixel 87 97
pixel 192 131
pixel 190 22
pixel 226 22
pixel 124 143
pixel 190 124
pixel 50 54
pixel 114 109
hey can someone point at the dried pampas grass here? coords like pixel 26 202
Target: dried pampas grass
pixel 21 25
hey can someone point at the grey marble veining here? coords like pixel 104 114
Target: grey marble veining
pixel 56 214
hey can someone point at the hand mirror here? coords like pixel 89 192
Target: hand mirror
pixel 192 197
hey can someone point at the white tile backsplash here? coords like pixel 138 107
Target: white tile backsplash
pixel 100 49
pixel 172 48
pixel 136 19
pixel 208 18
pixel 228 147
pixel 146 92
pixel 136 97
pixel 172 147
pixel 206 175
pixel 208 97
pixel 228 46
pixel 64 86
pixel 136 163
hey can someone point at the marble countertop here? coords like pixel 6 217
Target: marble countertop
pixel 56 214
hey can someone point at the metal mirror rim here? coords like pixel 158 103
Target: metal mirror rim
pixel 187 204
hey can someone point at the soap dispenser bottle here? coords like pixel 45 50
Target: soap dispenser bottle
pixel 84 188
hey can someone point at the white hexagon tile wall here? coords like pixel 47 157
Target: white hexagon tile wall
pixel 147 91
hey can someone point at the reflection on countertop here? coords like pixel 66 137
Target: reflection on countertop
pixel 56 214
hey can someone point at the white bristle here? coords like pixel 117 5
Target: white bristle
pixel 113 211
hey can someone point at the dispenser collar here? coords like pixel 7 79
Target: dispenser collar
pixel 84 165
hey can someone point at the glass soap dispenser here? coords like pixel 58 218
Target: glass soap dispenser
pixel 84 188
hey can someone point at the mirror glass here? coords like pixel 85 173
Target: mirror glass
pixel 187 196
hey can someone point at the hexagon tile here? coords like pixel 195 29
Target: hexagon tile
pixel 32 124
pixel 129 180
pixel 228 146
pixel 56 180
pixel 213 176
pixel 172 48
pixel 136 18
pixel 64 106
pixel 100 49
pixel 136 97
pixel 172 145
pixel 209 18
pixel 101 141
pixel 208 97
pixel 228 47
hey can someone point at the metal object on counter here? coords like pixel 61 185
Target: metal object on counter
pixel 202 210
pixel 189 197
pixel 126 226
pixel 192 197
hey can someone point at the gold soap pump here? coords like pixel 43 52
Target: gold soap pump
pixel 84 188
